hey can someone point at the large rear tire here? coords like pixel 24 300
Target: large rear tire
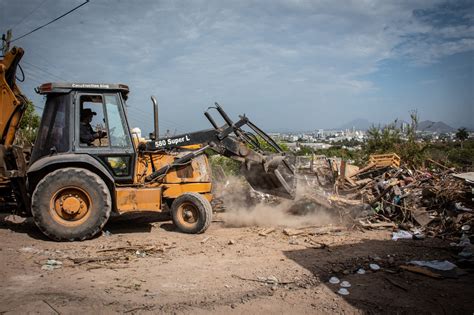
pixel 192 213
pixel 71 204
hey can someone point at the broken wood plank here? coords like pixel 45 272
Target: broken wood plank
pixel 378 225
pixel 206 239
pixel 438 164
pixel 363 181
pixel 422 271
pixel 265 232
pixel 85 260
pixel 398 285
pixel 262 280
pixel 291 232
pixel 364 169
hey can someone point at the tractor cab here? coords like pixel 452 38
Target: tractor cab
pixel 89 119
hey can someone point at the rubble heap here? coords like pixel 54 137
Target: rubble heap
pixel 438 200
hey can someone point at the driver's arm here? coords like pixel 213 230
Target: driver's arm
pixel 85 135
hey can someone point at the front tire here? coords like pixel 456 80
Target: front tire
pixel 71 204
pixel 192 213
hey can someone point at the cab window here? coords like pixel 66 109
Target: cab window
pixel 117 127
pixel 92 122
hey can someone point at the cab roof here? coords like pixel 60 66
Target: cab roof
pixel 62 87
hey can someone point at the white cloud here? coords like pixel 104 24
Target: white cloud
pixel 278 51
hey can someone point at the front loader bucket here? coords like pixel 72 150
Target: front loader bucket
pixel 275 177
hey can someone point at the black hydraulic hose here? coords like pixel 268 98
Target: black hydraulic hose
pixel 23 74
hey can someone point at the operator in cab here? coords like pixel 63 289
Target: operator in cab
pixel 88 135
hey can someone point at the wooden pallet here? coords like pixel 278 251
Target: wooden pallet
pixel 383 160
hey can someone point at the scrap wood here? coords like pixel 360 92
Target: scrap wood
pixel 206 239
pixel 438 164
pixel 85 260
pixel 390 159
pixel 129 248
pixel 377 225
pixel 363 181
pixel 364 169
pixel 292 232
pixel 385 191
pixel 265 232
pixel 345 200
pixel 262 280
pixel 350 181
pixel 398 285
pixel 422 217
pixel 319 245
pixel 421 270
pixel 327 230
pixel 312 230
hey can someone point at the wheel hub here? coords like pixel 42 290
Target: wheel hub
pixel 71 205
pixel 188 214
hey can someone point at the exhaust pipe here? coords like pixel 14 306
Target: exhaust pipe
pixel 156 131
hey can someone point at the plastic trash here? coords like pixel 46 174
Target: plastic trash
pixel 460 207
pixel 361 271
pixel 418 234
pixel 343 291
pixel 466 252
pixel 402 234
pixel 345 284
pixel 464 241
pixel 334 280
pixel 272 280
pixel 374 267
pixel 141 254
pixel 434 264
pixel 52 264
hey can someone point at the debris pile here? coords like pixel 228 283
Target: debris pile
pixel 438 200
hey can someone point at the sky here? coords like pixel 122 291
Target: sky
pixel 289 65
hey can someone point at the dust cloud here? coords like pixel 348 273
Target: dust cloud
pixel 247 207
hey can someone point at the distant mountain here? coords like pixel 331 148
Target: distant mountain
pixel 432 126
pixel 358 124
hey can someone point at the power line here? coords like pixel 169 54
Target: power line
pixel 29 14
pixel 34 80
pixel 52 21
pixel 33 73
pixel 45 71
pixel 42 60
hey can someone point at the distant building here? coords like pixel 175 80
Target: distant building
pixel 320 134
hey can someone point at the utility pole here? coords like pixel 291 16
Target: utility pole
pixel 6 42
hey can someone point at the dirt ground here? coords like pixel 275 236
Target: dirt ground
pixel 139 267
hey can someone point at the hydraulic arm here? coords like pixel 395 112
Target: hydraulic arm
pixel 272 173
pixel 12 101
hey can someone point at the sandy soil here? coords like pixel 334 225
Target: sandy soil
pixel 151 268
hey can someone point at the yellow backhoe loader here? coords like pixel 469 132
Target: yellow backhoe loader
pixel 86 164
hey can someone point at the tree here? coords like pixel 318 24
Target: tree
pixel 382 140
pixel 29 125
pixel 389 139
pixel 462 135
